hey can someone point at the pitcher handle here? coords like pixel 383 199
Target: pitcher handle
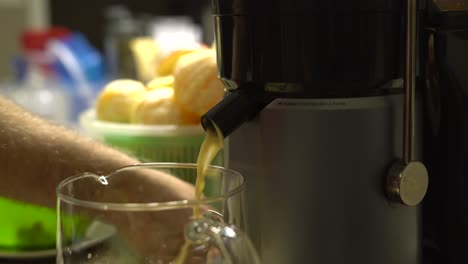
pixel 234 245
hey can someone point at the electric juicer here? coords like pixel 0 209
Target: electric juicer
pixel 338 113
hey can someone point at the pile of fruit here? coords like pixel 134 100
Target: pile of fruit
pixel 187 86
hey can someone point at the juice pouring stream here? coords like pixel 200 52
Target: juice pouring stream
pixel 213 143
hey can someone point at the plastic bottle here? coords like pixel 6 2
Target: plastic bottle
pixel 80 68
pixel 40 91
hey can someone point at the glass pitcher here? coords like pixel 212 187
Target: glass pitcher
pixel 121 218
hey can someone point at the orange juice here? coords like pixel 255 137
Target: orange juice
pixel 213 143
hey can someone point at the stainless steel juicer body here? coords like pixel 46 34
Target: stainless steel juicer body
pixel 315 171
pixel 320 118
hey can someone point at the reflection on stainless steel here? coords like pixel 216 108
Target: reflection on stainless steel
pixel 407 181
pixel 451 5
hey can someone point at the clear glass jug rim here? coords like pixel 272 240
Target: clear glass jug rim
pixel 151 206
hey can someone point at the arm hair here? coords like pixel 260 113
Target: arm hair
pixel 35 155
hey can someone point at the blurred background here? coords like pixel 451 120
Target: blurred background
pixel 62 59
pixel 56 55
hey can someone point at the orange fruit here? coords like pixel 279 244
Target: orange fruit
pixel 166 65
pixel 118 99
pixel 160 82
pixel 196 85
pixel 158 108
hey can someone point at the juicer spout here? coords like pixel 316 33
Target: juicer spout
pixel 237 107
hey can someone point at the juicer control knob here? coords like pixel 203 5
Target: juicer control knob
pixel 407 183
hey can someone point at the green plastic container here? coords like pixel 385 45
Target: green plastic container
pixel 149 143
pixel 26 226
pixel 31 228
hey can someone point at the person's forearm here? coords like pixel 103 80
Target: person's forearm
pixel 36 155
